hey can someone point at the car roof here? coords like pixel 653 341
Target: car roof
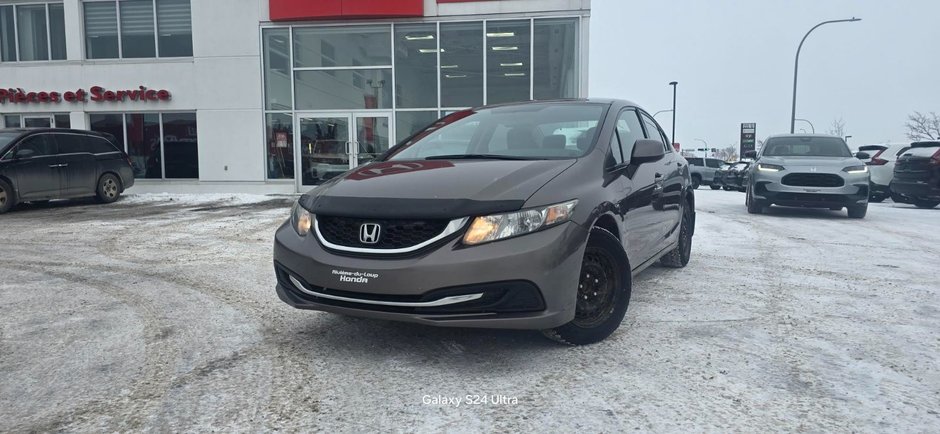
pixel 774 136
pixel 49 130
pixel 606 101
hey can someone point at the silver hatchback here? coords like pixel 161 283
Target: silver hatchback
pixel 810 171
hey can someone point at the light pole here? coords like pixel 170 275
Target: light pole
pixel 660 112
pixel 847 139
pixel 674 85
pixel 810 124
pixel 796 64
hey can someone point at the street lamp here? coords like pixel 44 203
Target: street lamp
pixel 810 124
pixel 847 139
pixel 705 154
pixel 796 65
pixel 674 84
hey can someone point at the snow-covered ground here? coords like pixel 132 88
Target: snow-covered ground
pixel 159 314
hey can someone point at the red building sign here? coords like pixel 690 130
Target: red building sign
pixel 96 94
pixel 296 10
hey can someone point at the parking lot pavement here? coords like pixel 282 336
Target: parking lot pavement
pixel 159 314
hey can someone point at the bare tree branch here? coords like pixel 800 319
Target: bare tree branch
pixel 838 128
pixel 923 126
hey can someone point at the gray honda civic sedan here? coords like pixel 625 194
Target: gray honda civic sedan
pixel 523 216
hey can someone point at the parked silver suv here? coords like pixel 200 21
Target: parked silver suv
pixel 812 171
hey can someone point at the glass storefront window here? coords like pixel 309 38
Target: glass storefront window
pixel 174 20
pixel 11 121
pixel 180 146
pixel 508 60
pixel 56 31
pixel 101 30
pixel 32 32
pixel 172 37
pixel 7 34
pixel 416 65
pixel 279 131
pixel 346 89
pixel 318 47
pixel 408 123
pixel 112 124
pixel 62 121
pixel 143 144
pixel 277 70
pixel 556 59
pixel 137 35
pixel 461 69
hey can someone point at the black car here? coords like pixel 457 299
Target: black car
pixel 735 177
pixel 537 219
pixel 43 164
pixel 719 180
pixel 917 175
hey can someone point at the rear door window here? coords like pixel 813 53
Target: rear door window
pixel 72 144
pixel 713 163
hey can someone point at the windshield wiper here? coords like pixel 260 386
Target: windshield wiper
pixel 476 157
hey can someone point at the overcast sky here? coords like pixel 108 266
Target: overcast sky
pixel 733 60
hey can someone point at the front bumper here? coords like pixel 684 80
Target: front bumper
pixel 528 282
pixel 769 189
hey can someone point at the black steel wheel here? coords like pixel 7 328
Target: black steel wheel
pixel 680 256
pixel 603 292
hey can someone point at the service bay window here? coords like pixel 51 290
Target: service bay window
pixel 32 32
pixel 160 145
pixel 127 29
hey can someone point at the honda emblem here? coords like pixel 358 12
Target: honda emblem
pixel 369 233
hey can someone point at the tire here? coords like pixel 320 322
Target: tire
pixel 926 204
pixel 603 292
pixel 753 206
pixel 897 198
pixel 726 188
pixel 858 211
pixel 715 187
pixel 109 188
pixel 679 257
pixel 7 197
pixel 877 199
pixel 696 182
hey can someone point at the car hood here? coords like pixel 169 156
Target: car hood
pixel 433 188
pixel 799 162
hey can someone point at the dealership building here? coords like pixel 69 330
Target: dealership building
pixel 276 96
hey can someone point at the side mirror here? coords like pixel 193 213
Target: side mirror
pixel 750 154
pixel 647 151
pixel 862 155
pixel 24 153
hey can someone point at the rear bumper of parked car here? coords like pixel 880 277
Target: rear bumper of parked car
pixel 770 190
pixel 528 282
pixel 917 189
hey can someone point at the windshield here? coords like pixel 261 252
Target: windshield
pixel 529 132
pixel 806 147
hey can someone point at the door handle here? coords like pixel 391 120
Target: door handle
pixel 53 166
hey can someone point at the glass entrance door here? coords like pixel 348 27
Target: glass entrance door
pixel 37 121
pixel 332 143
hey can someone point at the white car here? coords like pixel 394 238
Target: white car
pixel 881 165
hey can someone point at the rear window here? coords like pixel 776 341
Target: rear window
pixel 530 131
pixel 99 145
pixel 806 147
pixel 713 163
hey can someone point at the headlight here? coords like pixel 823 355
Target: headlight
pixel 764 167
pixel 301 220
pixel 856 169
pixel 500 226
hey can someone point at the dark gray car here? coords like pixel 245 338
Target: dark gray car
pixel 523 216
pixel 43 164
